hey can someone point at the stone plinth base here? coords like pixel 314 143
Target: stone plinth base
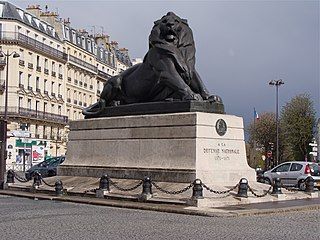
pixel 178 147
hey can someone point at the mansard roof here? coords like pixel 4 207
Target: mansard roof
pixel 12 12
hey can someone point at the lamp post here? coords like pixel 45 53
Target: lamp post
pixel 277 83
pixel 4 120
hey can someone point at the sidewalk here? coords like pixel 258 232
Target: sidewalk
pixel 81 190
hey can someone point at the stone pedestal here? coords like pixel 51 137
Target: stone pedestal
pixel 177 147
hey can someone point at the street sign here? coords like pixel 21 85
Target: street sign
pixel 20 133
pixel 314 153
pixel 26 140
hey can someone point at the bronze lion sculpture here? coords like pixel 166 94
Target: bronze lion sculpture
pixel 167 71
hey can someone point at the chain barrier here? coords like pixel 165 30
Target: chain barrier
pixel 50 185
pixel 125 189
pixel 172 192
pixel 93 190
pixel 20 179
pixel 290 189
pixel 220 192
pixel 260 195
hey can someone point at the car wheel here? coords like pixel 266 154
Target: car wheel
pixel 267 181
pixel 302 185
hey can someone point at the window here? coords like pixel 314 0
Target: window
pixel 52 108
pixel 45 85
pixel 37 83
pixel 29 103
pixel 20 102
pixel 59 110
pixel 21 54
pixel 29 80
pixel 52 87
pixel 295 167
pixel 36 131
pixel 53 67
pixel 45 106
pixel 60 69
pixel 37 105
pixel 59 88
pixel 46 63
pixel 38 61
pixel 73 36
pixel 20 78
pixel 282 168
pixel 67 33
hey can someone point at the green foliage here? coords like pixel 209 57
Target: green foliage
pixel 263 130
pixel 297 123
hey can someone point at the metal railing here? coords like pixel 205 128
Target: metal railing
pixel 82 63
pixel 103 75
pixel 32 43
pixel 30 113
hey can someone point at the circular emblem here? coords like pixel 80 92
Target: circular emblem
pixel 221 127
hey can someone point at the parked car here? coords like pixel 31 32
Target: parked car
pixel 47 168
pixel 294 174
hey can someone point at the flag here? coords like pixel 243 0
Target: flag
pixel 256 115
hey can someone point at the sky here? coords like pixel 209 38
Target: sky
pixel 240 45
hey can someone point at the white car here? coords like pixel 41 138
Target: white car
pixel 294 174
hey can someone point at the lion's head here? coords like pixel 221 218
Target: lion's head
pixel 171 29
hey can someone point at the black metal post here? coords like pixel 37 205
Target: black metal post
pixel 58 187
pixel 37 179
pixel 10 176
pixel 277 186
pixel 197 189
pixel 309 184
pixel 147 186
pixel 243 188
pixel 3 149
pixel 277 83
pixel 4 122
pixel 104 183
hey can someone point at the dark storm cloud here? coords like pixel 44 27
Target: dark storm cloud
pixel 241 45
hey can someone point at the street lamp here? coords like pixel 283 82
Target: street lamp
pixel 277 83
pixel 4 120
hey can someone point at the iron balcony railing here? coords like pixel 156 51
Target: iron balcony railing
pixel 82 63
pixel 103 75
pixel 34 114
pixel 32 43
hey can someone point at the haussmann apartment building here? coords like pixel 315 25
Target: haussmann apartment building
pixel 59 71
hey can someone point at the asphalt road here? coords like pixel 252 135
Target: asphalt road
pixel 22 218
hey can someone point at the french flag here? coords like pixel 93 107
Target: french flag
pixel 256 115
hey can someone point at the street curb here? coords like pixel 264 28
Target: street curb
pixel 163 207
pixel 115 203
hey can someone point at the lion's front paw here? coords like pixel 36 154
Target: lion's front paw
pixel 215 98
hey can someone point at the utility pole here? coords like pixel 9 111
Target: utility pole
pixel 277 83
pixel 4 120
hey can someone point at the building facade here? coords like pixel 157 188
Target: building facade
pixel 60 70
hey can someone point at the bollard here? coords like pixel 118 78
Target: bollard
pixel 243 188
pixel 146 190
pixel 147 186
pixel 58 186
pixel 309 184
pixel 104 183
pixel 197 189
pixel 10 176
pixel 277 186
pixel 37 179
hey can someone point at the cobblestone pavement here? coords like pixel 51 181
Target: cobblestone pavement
pixel 22 218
